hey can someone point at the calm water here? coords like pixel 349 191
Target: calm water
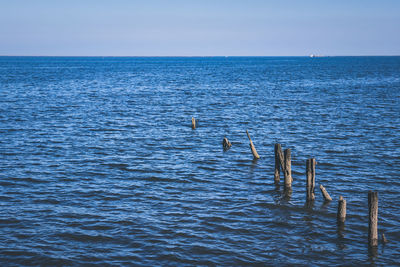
pixel 99 164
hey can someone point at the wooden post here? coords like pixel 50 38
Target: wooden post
pixel 281 160
pixel 373 219
pixel 253 149
pixel 384 240
pixel 341 214
pixel 193 123
pixel 288 168
pixel 327 197
pixel 278 162
pixel 287 193
pixel 313 164
pixel 310 182
pixel 226 144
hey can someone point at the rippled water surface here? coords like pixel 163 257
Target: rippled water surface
pixel 99 164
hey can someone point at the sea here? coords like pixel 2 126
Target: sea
pixel 99 164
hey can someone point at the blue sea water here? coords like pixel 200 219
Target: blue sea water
pixel 99 164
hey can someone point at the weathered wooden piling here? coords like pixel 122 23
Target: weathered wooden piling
pixel 373 219
pixel 226 144
pixel 193 123
pixel 279 163
pixel 341 214
pixel 310 179
pixel 288 168
pixel 327 197
pixel 253 149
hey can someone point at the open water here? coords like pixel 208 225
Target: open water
pixel 99 164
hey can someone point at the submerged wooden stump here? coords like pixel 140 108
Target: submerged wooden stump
pixel 373 219
pixel 193 123
pixel 288 168
pixel 327 197
pixel 310 179
pixel 341 214
pixel 226 144
pixel 253 149
pixel 278 162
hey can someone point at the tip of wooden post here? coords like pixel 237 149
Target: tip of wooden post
pixel 248 135
pixel 384 240
pixel 340 198
pixel 325 193
pixel 372 194
pixel 226 144
pixel 252 147
pixel 193 123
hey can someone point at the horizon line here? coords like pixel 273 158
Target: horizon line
pixel 315 56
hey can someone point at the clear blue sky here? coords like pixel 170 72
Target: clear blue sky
pixel 199 28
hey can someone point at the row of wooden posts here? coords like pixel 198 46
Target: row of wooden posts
pixel 283 163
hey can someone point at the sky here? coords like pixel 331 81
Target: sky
pixel 199 28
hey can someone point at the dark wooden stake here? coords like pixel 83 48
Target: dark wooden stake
pixel 310 182
pixel 253 149
pixel 278 162
pixel 327 197
pixel 288 168
pixel 373 219
pixel 226 144
pixel 341 214
pixel 193 123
